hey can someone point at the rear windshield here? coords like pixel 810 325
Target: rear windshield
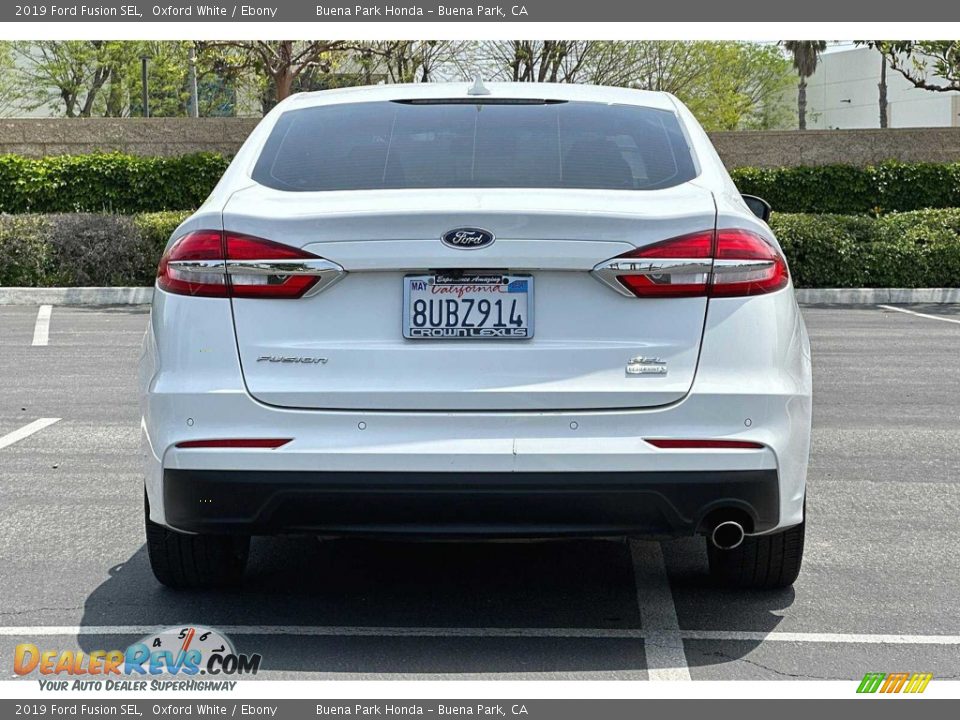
pixel 455 144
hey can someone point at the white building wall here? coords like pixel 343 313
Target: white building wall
pixel 843 93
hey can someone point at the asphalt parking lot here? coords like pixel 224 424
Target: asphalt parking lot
pixel 880 588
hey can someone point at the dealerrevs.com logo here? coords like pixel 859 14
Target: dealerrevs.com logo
pixel 172 659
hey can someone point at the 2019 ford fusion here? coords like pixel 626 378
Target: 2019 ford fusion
pixel 468 311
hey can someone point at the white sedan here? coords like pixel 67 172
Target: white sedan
pixel 457 310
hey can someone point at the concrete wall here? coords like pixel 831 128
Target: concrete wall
pixel 37 137
pixel 174 136
pixel 776 148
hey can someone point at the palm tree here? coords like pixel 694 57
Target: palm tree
pixel 806 56
pixel 881 47
pixel 882 85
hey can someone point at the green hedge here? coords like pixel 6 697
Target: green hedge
pixel 914 249
pixel 888 187
pixel 107 182
pixel 126 184
pixel 77 250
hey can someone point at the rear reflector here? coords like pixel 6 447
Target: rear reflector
pixel 270 443
pixel 672 444
pixel 728 262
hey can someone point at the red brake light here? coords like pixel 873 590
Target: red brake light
pixel 725 263
pixel 209 263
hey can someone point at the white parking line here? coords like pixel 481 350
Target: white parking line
pixel 26 431
pixel 41 331
pixel 663 643
pixel 813 637
pixel 918 314
pixel 495 632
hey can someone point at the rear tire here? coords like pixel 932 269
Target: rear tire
pixel 764 562
pixel 183 562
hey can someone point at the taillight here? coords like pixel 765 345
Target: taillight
pixel 679 267
pixel 746 264
pixel 208 263
pixel 194 265
pixel 725 263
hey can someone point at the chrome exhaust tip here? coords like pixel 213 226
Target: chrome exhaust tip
pixel 727 535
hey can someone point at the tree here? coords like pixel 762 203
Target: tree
pixel 882 85
pixel 406 61
pixel 727 85
pixel 806 57
pixel 533 60
pixel 279 62
pixel 67 72
pixel 8 89
pixel 91 78
pixel 168 90
pixel 927 64
pixel 882 88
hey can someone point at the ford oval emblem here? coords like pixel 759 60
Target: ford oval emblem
pixel 467 238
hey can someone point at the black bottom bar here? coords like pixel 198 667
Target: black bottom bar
pixel 465 504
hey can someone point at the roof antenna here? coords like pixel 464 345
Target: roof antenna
pixel 478 88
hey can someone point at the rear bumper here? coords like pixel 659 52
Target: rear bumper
pixel 492 504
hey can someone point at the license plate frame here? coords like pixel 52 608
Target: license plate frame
pixel 511 284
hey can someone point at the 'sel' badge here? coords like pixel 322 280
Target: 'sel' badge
pixel 641 365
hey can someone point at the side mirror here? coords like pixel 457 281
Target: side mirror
pixel 758 206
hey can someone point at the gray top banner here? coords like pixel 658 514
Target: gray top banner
pixel 133 11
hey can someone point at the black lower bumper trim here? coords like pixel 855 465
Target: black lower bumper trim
pixel 465 504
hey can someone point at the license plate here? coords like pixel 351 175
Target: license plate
pixel 476 307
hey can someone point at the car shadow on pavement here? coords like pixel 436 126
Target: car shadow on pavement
pixel 702 605
pixel 369 596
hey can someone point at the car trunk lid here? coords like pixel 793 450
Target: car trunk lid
pixel 344 348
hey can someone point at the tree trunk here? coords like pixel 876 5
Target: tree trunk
pixel 115 96
pixel 802 104
pixel 883 91
pixel 99 79
pixel 283 80
pixel 284 73
pixel 546 60
pixel 69 102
